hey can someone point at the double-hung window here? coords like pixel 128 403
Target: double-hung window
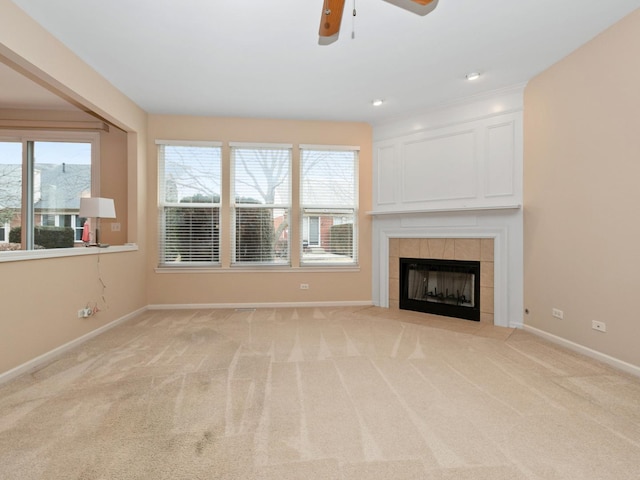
pixel 189 203
pixel 42 178
pixel 329 205
pixel 4 232
pixel 261 199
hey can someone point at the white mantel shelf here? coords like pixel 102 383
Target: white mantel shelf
pixel 445 210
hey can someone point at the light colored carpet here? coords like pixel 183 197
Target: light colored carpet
pixel 328 393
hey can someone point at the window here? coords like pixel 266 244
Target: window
pixel 42 178
pixel 78 226
pixel 248 189
pixel 261 199
pixel 48 220
pixel 4 232
pixel 189 203
pixel 328 196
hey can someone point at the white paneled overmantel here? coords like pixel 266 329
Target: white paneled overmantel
pixel 454 172
pixel 441 163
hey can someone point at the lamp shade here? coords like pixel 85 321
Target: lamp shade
pixel 97 207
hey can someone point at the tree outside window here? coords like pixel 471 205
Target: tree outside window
pixel 262 202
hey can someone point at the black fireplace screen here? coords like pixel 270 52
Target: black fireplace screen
pixel 442 287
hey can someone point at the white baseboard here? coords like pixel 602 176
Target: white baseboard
pixel 50 355
pixel 203 306
pixel 576 347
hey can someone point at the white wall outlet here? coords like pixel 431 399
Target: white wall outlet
pixel 304 286
pixel 81 313
pixel 556 312
pixel 85 312
pixel 115 227
pixel 599 326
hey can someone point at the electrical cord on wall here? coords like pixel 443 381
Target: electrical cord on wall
pixel 103 287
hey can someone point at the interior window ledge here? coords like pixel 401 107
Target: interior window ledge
pixel 22 255
pixel 322 269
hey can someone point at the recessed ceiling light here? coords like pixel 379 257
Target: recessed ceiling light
pixel 377 102
pixel 473 76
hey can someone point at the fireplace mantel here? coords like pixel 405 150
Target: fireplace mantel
pixel 476 208
pixel 504 226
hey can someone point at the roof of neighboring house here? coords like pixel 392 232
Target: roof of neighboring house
pixel 57 186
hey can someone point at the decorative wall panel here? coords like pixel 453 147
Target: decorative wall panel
pixel 385 173
pixel 439 168
pixel 499 171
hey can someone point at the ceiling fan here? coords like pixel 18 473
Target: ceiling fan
pixel 332 10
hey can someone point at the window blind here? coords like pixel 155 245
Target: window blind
pixel 261 180
pixel 189 203
pixel 329 202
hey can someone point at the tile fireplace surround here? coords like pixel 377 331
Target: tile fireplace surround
pixel 493 237
pixel 477 249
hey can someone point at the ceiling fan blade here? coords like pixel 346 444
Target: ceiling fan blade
pixel 331 17
pixel 419 7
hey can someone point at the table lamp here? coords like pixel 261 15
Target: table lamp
pixel 97 207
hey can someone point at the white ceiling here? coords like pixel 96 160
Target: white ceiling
pixel 262 58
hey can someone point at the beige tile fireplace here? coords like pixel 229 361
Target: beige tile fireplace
pixel 477 249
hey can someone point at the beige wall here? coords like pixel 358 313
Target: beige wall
pixel 114 183
pixel 228 286
pixel 39 299
pixel 582 194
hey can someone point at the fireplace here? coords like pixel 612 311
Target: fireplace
pixel 442 287
pixel 447 248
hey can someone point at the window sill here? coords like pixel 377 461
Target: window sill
pixel 22 255
pixel 253 270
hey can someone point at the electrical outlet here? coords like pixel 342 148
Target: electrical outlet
pixel 85 312
pixel 115 227
pixel 599 326
pixel 304 286
pixel 557 313
pixel 81 313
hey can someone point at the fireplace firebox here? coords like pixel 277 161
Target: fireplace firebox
pixel 442 287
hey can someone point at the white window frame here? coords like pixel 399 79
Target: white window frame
pixel 27 210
